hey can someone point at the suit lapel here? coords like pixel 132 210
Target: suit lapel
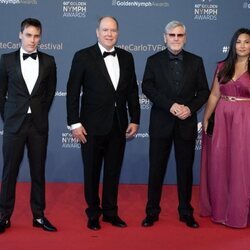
pixel 122 65
pixel 40 72
pixel 19 72
pixel 101 64
pixel 184 71
pixel 165 64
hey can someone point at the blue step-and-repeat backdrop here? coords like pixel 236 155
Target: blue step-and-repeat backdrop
pixel 70 25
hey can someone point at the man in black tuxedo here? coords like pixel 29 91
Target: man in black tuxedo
pixel 27 88
pixel 106 76
pixel 175 82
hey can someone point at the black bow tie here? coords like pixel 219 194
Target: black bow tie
pixel 33 56
pixel 112 53
pixel 176 57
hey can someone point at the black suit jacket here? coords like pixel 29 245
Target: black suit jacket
pixel 96 111
pixel 14 95
pixel 158 86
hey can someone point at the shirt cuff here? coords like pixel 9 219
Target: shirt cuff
pixel 74 126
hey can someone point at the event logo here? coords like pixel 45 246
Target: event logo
pixel 225 49
pixel 199 137
pixel 68 141
pixel 74 9
pixel 64 93
pixel 60 93
pixel 42 46
pixel 246 5
pixel 51 46
pixel 144 102
pixel 18 1
pixel 144 4
pixel 9 45
pixel 142 47
pixel 141 135
pixel 205 10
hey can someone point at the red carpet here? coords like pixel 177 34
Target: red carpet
pixel 65 209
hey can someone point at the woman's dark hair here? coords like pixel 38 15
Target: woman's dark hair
pixel 31 22
pixel 228 68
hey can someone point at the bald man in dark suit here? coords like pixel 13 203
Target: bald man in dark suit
pixel 106 76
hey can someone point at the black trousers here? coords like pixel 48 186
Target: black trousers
pixel 159 152
pixel 107 151
pixel 13 151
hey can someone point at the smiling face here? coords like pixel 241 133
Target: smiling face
pixel 242 45
pixel 107 33
pixel 30 38
pixel 175 39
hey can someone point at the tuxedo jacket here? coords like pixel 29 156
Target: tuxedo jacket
pixel 99 99
pixel 159 87
pixel 15 98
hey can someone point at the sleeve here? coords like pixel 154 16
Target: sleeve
pixel 133 98
pixel 51 83
pixel 74 85
pixel 202 89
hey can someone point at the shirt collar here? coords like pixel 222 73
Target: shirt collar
pixel 103 49
pixel 22 51
pixel 178 56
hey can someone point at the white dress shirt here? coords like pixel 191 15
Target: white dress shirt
pixel 112 65
pixel 30 69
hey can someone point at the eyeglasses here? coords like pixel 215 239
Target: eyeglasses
pixel 172 35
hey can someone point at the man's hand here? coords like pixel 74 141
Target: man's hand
pixel 131 130
pixel 80 134
pixel 176 108
pixel 184 113
pixel 181 111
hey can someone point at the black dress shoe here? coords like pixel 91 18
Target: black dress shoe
pixel 94 224
pixel 149 221
pixel 44 224
pixel 189 220
pixel 4 223
pixel 115 221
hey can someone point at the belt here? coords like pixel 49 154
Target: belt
pixel 234 99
